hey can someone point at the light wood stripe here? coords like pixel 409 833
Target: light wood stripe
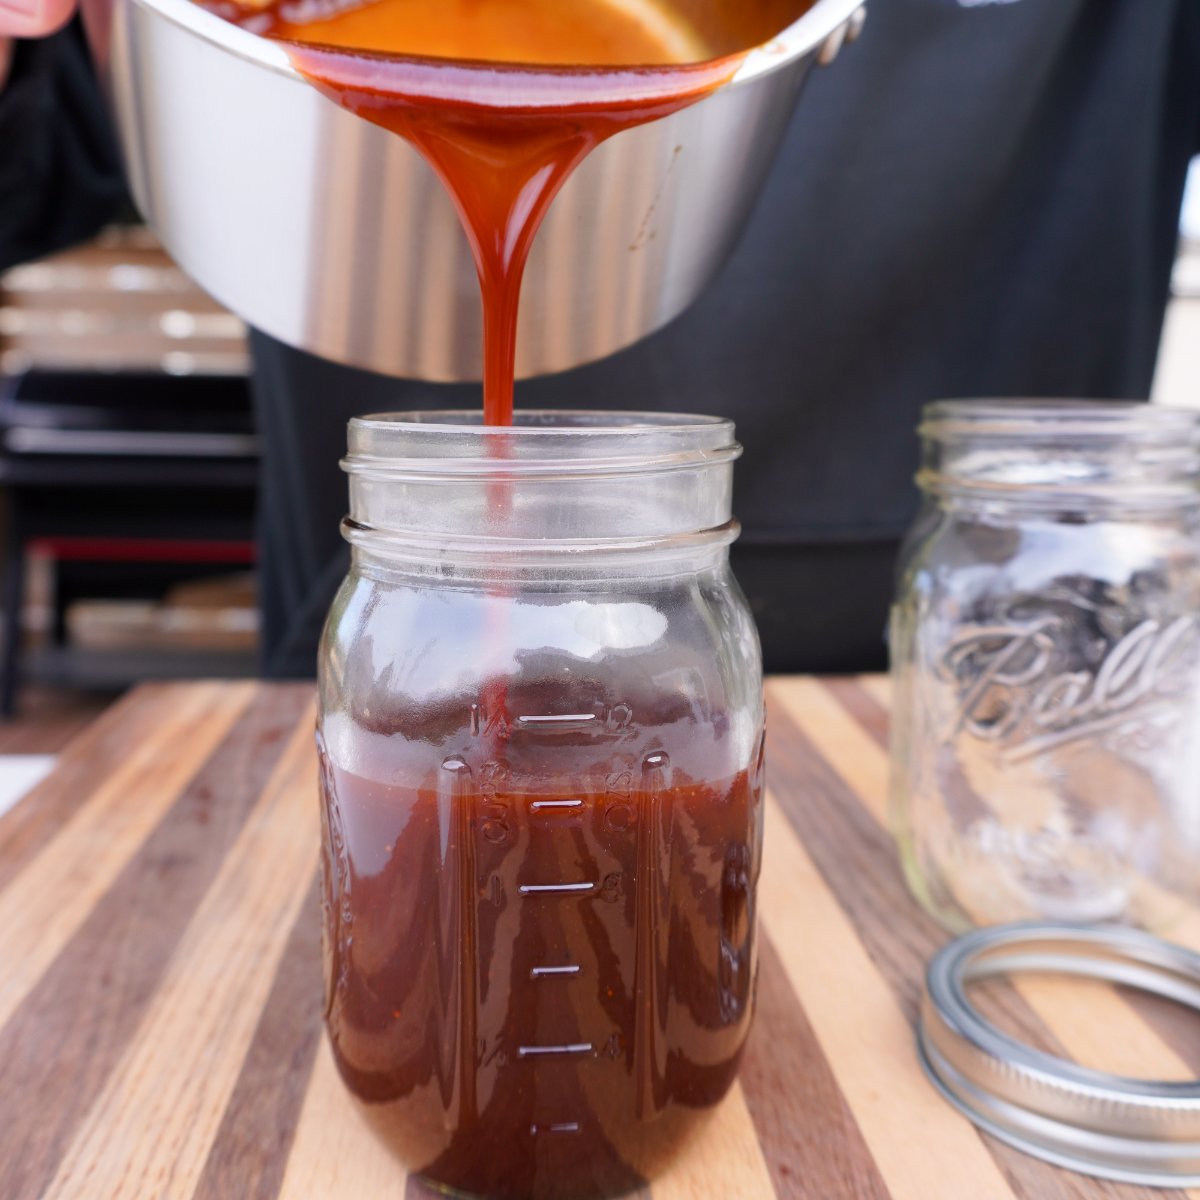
pixel 1087 1033
pixel 46 903
pixel 843 743
pixel 724 1160
pixel 879 686
pixel 180 1069
pixel 334 1154
pixel 923 1147
pixel 92 755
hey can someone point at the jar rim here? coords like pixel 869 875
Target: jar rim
pixel 534 422
pixel 1054 418
pixel 541 443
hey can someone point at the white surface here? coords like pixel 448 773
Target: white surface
pixel 19 773
pixel 1177 381
pixel 1190 223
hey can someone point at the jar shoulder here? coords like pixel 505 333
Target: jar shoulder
pixel 657 662
pixel 957 557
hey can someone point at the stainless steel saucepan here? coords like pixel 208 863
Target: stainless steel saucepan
pixel 334 236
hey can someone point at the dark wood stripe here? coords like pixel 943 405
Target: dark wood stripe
pixel 57 1050
pixel 249 1155
pixel 85 763
pixel 862 706
pixel 858 862
pixel 809 1138
pixel 1175 1024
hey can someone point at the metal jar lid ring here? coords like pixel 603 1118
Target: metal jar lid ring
pixel 1131 1130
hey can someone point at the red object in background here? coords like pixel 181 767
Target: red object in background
pixel 110 549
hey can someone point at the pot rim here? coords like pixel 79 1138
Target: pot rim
pixel 806 34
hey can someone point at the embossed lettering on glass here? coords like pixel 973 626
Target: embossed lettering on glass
pixel 1046 665
pixel 541 730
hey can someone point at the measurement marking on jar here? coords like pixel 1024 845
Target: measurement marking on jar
pixel 559 1127
pixel 542 805
pixel 569 1048
pixel 552 889
pixel 565 719
pixel 544 972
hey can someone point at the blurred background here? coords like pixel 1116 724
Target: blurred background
pixel 127 489
pixel 127 479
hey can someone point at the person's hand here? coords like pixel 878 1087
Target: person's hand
pixel 29 18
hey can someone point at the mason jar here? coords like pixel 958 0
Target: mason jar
pixel 1046 737
pixel 541 732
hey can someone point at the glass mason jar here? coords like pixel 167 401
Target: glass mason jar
pixel 1045 650
pixel 541 733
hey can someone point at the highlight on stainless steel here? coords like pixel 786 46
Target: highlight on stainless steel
pixel 333 235
pixel 1132 1130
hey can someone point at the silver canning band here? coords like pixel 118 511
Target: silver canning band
pixel 1132 1130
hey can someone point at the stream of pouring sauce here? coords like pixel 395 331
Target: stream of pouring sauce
pixel 504 99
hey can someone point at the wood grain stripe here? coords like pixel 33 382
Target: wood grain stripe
pixel 921 1145
pixel 878 686
pixel 809 1138
pixel 91 756
pixel 334 1154
pixel 725 1159
pixel 178 1072
pixel 856 857
pixel 250 1152
pixel 853 753
pixel 873 717
pixel 43 906
pixel 62 1042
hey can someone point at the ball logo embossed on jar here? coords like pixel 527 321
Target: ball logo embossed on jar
pixel 1012 690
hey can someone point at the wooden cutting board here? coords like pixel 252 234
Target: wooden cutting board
pixel 159 985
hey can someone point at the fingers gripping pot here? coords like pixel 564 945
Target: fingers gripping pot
pixel 541 731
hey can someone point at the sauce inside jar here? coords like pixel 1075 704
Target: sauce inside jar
pixel 540 951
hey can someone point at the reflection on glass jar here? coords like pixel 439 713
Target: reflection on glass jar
pixel 1046 665
pixel 541 729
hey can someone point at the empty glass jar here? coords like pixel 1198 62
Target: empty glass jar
pixel 541 732
pixel 1046 665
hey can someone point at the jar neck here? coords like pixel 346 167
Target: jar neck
pixel 507 573
pixel 565 494
pixel 1067 461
